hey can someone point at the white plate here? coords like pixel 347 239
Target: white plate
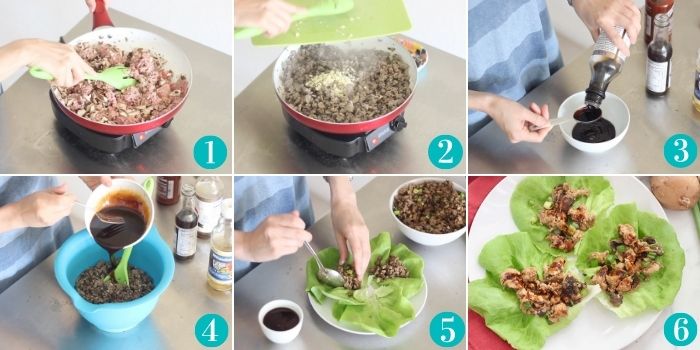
pixel 325 311
pixel 595 327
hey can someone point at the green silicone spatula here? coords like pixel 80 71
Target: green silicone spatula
pixel 314 8
pixel 117 76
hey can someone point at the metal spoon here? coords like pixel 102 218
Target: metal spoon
pixel 582 119
pixel 106 218
pixel 328 276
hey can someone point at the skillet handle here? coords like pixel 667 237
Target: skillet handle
pixel 100 18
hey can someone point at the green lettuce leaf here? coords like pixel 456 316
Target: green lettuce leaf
pixel 660 289
pixel 499 306
pixel 532 192
pixel 379 306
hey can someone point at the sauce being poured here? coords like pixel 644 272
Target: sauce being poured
pixel 598 131
pixel 114 237
pixel 281 319
pixel 588 114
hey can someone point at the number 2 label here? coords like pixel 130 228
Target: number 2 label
pixel 445 152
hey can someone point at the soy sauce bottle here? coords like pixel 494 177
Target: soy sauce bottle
pixel 659 55
pixel 186 226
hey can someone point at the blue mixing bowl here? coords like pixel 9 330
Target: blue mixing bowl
pixel 79 252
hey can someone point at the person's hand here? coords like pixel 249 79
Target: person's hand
pixel 272 16
pixel 60 60
pixel 276 236
pixel 93 181
pixel 45 208
pixel 515 120
pixel 606 14
pixel 91 4
pixel 350 230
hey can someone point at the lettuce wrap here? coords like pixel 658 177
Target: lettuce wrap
pixel 500 307
pixel 532 192
pixel 381 307
pixel 659 290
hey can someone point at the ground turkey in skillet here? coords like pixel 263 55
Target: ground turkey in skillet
pixel 91 286
pixel 329 84
pixel 432 207
pixel 157 89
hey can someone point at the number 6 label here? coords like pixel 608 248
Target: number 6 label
pixel 680 329
pixel 680 150
pixel 445 152
pixel 447 329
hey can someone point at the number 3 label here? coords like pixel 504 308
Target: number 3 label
pixel 680 329
pixel 447 329
pixel 680 150
pixel 445 152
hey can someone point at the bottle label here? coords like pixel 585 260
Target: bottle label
pixel 221 266
pixel 185 241
pixel 209 213
pixel 605 46
pixel 166 187
pixel 658 79
pixel 697 85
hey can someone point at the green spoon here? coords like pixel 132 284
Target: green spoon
pixel 117 76
pixel 320 8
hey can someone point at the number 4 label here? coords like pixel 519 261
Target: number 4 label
pixel 447 329
pixel 211 330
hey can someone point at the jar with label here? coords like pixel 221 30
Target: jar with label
pixel 209 191
pixel 653 9
pixel 220 271
pixel 659 55
pixel 186 226
pixel 168 190
pixel 696 88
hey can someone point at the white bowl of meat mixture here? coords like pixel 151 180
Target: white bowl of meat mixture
pixel 430 211
pixel 591 137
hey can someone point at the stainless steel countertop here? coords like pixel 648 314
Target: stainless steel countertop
pixel 37 314
pixel 264 143
pixel 653 120
pixel 285 278
pixel 32 141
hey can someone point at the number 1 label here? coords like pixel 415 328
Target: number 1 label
pixel 210 152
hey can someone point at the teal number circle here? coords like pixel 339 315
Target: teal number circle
pixel 445 152
pixel 447 329
pixel 680 150
pixel 210 152
pixel 680 329
pixel 211 330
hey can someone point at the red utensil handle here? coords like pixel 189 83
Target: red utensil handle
pixel 100 18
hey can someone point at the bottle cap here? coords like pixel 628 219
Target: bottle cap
pixel 227 209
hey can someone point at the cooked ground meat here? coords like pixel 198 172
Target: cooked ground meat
pixel 432 207
pixel 351 281
pixel 566 224
pixel 333 85
pixel 157 89
pixel 393 268
pixel 550 297
pixel 629 261
pixel 91 286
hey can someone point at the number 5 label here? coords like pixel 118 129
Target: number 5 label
pixel 680 329
pixel 211 330
pixel 445 152
pixel 447 329
pixel 680 150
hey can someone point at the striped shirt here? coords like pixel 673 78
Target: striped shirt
pixel 512 49
pixel 24 248
pixel 257 197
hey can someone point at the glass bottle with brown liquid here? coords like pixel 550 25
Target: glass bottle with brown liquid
pixel 606 63
pixel 654 8
pixel 186 226
pixel 659 55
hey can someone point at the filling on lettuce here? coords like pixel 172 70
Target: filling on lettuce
pixel 566 223
pixel 629 261
pixel 549 297
pixel 381 303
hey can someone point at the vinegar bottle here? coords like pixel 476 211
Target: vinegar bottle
pixel 659 55
pixel 186 226
pixel 210 192
pixel 220 271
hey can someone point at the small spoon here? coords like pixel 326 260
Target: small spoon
pixel 117 76
pixel 106 218
pixel 328 276
pixel 587 114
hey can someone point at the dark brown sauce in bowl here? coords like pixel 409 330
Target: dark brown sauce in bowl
pixel 281 319
pixel 598 131
pixel 136 214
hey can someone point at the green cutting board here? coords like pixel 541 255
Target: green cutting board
pixel 367 19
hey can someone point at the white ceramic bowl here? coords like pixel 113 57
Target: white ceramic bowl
pixel 425 238
pixel 614 109
pixel 278 337
pixel 97 201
